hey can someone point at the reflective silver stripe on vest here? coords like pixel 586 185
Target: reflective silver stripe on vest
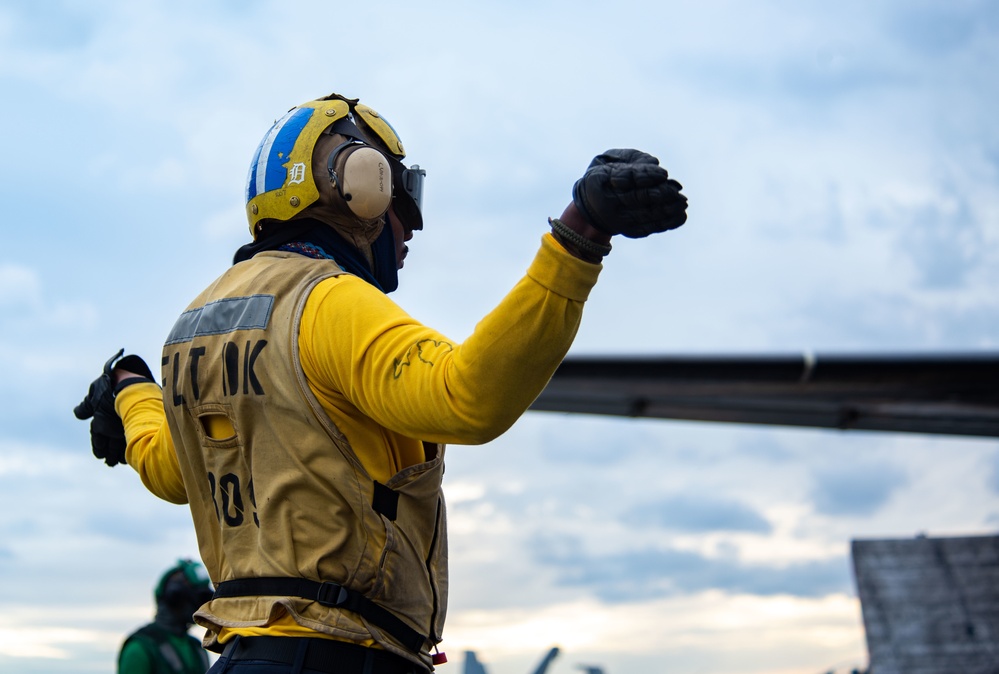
pixel 223 316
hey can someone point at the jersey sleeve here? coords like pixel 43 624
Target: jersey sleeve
pixel 149 448
pixel 356 342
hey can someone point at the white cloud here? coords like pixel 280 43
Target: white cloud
pixel 808 633
pixel 36 318
pixel 55 643
pixel 19 286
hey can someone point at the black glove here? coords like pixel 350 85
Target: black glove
pixel 627 192
pixel 107 434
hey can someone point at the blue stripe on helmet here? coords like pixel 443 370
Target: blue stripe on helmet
pixel 251 178
pixel 267 171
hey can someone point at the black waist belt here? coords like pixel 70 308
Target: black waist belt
pixel 327 594
pixel 322 655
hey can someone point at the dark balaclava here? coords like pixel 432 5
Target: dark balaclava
pixel 180 592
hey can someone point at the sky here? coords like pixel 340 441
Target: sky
pixel 842 165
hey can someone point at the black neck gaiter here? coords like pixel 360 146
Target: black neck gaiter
pixel 384 276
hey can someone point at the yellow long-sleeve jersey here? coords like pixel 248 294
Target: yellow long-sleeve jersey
pixel 389 383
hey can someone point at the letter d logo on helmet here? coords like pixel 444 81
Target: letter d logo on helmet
pixel 361 167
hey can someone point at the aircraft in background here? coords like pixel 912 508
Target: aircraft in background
pixel 473 666
pixel 948 394
pixel 928 604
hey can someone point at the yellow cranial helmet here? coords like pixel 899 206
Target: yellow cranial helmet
pixel 337 160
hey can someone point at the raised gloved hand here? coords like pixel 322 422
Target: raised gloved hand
pixel 107 434
pixel 627 192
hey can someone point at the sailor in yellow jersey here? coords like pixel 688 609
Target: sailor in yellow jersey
pixel 304 415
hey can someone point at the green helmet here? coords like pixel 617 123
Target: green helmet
pixel 186 580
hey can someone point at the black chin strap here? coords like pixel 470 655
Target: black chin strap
pixel 345 127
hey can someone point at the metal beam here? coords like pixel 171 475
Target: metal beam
pixel 951 394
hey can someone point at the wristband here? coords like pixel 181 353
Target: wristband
pixel 584 245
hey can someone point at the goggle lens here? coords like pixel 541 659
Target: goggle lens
pixel 412 182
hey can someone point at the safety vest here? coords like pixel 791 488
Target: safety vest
pixel 286 497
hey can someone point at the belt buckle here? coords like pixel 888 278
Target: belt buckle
pixel 331 594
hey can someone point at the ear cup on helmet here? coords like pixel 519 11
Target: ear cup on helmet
pixel 364 179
